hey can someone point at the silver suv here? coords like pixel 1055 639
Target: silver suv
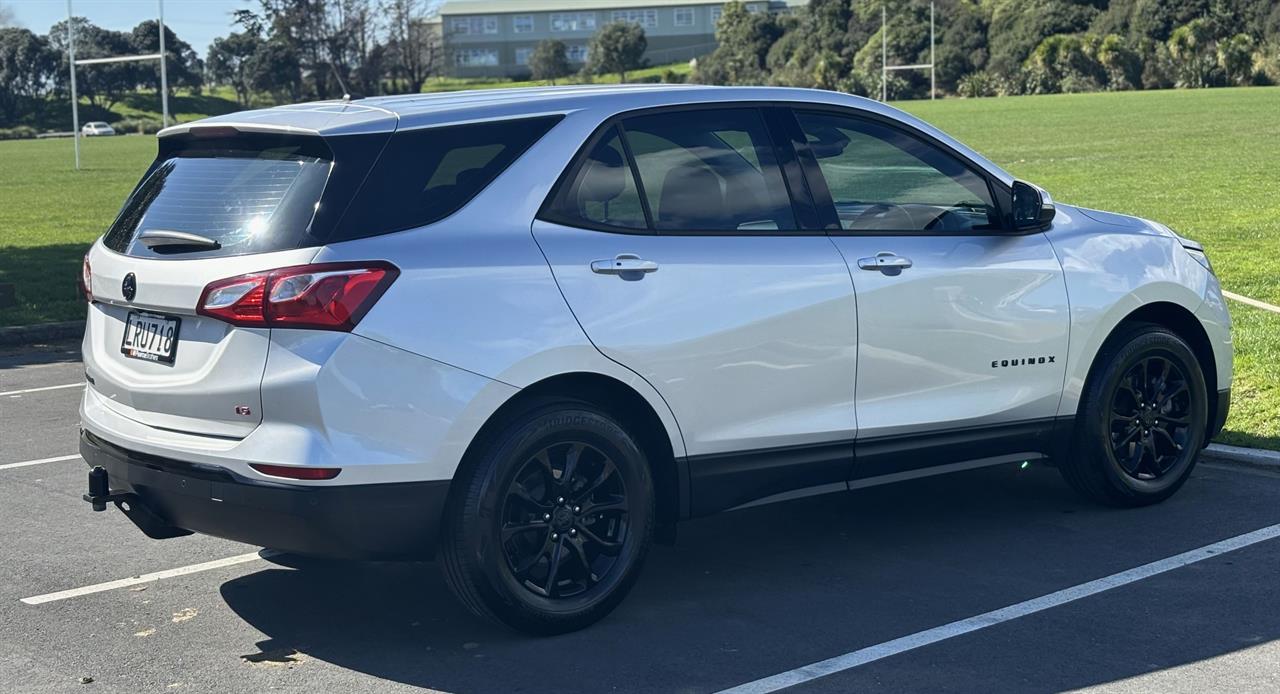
pixel 529 331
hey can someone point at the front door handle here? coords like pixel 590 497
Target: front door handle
pixel 626 265
pixel 886 262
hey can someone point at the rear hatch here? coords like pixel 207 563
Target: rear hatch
pixel 218 202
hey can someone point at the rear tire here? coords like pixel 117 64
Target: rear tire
pixel 1141 422
pixel 548 526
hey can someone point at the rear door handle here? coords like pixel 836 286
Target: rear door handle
pixel 626 265
pixel 886 262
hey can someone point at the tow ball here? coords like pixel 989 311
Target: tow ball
pixel 100 493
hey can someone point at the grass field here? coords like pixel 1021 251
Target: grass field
pixel 1204 162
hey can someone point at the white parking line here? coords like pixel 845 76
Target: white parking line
pixel 41 461
pixel 1252 302
pixel 144 578
pixel 931 636
pixel 37 390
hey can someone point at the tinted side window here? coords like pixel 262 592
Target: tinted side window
pixel 603 191
pixel 426 175
pixel 709 170
pixel 882 179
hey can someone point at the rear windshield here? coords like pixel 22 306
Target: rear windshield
pixel 247 200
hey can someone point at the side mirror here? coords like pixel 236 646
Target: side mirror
pixel 1032 207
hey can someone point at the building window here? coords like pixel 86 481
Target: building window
pixel 684 16
pixel 577 53
pixel 522 23
pixel 645 18
pixel 715 15
pixel 473 25
pixel 475 57
pixel 573 21
pixel 522 55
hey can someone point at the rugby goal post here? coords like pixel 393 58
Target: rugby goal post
pixel 885 67
pixel 72 63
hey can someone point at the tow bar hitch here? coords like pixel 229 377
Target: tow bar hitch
pixel 100 490
pixel 148 522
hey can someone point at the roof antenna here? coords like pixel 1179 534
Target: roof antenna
pixel 346 95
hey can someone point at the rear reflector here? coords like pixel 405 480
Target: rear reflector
pixel 325 296
pixel 297 473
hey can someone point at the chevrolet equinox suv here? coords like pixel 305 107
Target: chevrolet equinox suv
pixel 528 331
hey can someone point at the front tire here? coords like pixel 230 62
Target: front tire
pixel 551 523
pixel 1141 422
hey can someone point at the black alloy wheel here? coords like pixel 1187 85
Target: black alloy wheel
pixel 548 523
pixel 565 520
pixel 1141 420
pixel 1151 418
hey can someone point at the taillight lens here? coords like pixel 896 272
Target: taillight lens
pixel 86 279
pixel 325 296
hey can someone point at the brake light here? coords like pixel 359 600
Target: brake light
pixel 86 280
pixel 325 296
pixel 297 473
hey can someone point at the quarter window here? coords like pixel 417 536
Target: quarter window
pixel 522 55
pixel 522 23
pixel 576 53
pixel 709 170
pixel 603 192
pixel 684 16
pixel 882 179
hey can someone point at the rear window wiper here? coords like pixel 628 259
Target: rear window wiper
pixel 158 238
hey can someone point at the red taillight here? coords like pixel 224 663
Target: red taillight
pixel 297 473
pixel 86 279
pixel 326 296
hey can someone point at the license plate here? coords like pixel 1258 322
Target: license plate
pixel 150 337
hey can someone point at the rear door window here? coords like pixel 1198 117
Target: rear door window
pixel 709 170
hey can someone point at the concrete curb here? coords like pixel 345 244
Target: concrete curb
pixel 25 335
pixel 1253 457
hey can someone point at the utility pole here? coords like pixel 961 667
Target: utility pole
pixel 71 64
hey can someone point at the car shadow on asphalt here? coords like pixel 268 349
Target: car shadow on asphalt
pixel 747 594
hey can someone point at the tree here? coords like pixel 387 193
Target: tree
pixel 414 50
pixel 1235 57
pixel 230 62
pixel 743 40
pixel 27 69
pixel 102 85
pixel 183 67
pixel 1193 50
pixel 1122 63
pixel 550 60
pixel 617 47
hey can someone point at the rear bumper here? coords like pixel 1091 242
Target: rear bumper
pixel 366 521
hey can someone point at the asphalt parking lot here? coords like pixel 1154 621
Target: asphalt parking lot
pixel 897 584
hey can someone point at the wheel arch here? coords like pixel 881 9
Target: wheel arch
pixel 632 410
pixel 1182 322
